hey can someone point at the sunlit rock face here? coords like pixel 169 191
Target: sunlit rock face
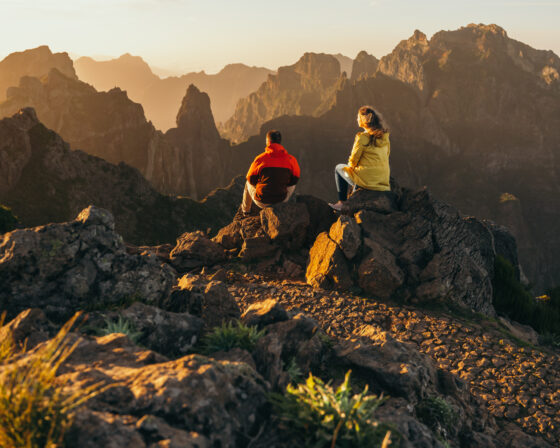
pixel 305 88
pixel 472 117
pixel 161 98
pixel 35 62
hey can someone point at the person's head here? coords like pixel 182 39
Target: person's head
pixel 273 136
pixel 370 120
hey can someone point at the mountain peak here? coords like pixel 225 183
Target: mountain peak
pixel 195 110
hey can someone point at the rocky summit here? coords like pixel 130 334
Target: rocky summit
pixel 151 338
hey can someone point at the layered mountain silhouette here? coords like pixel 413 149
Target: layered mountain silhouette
pixel 161 98
pixel 111 126
pixel 304 88
pixel 36 62
pixel 43 181
pixel 473 114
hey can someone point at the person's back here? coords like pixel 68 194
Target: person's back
pixel 370 170
pixel 272 176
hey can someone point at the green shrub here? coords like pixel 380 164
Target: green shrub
pixel 512 299
pixel 325 417
pixel 122 326
pixel 8 221
pixel 437 414
pixel 35 411
pixel 230 336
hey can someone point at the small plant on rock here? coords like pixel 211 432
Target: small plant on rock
pixel 35 411
pixel 122 326
pixel 328 417
pixel 438 415
pixel 229 336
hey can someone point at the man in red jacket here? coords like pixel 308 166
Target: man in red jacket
pixel 272 177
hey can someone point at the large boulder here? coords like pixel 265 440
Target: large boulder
pixel 410 246
pixel 286 223
pixel 295 342
pixel 209 300
pixel 392 366
pixel 82 264
pixel 168 333
pixel 193 397
pixel 194 250
pixel 327 267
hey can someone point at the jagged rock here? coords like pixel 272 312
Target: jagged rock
pixel 378 273
pixel 421 249
pixel 209 300
pixel 305 88
pixel 327 267
pixel 168 333
pixel 364 66
pixel 298 341
pixel 229 236
pixel 194 250
pixel 76 265
pixel 286 223
pixel 513 437
pixel 196 172
pixel 376 201
pixel 388 364
pixel 35 62
pixel 266 312
pixel 257 247
pixel 235 355
pixel 523 332
pixel 347 235
pixel 220 401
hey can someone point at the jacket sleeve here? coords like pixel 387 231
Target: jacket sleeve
pixel 357 151
pixel 295 172
pixel 253 173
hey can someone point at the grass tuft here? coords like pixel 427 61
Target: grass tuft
pixel 438 415
pixel 122 326
pixel 328 417
pixel 35 411
pixel 229 336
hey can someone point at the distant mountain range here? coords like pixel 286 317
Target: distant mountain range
pixel 161 98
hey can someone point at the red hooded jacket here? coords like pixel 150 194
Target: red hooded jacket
pixel 272 172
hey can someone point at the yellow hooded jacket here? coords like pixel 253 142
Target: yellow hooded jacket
pixel 368 164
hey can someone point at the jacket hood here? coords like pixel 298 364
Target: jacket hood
pixel 275 148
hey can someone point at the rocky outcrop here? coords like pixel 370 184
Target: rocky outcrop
pixel 83 264
pixel 305 88
pixel 42 181
pixel 162 97
pixel 421 250
pixel 454 105
pixel 201 155
pixel 364 66
pixel 36 62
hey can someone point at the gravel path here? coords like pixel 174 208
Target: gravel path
pixel 519 383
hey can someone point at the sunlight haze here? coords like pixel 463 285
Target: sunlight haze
pixel 186 35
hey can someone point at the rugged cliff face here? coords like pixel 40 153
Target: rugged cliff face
pixel 109 125
pixel 161 98
pixel 474 115
pixel 305 88
pixel 43 181
pixel 201 154
pixel 36 62
pixel 364 66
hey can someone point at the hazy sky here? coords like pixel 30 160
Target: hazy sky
pixel 187 35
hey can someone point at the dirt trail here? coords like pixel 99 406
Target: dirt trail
pixel 519 383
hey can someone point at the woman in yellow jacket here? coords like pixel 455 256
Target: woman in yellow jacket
pixel 368 165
